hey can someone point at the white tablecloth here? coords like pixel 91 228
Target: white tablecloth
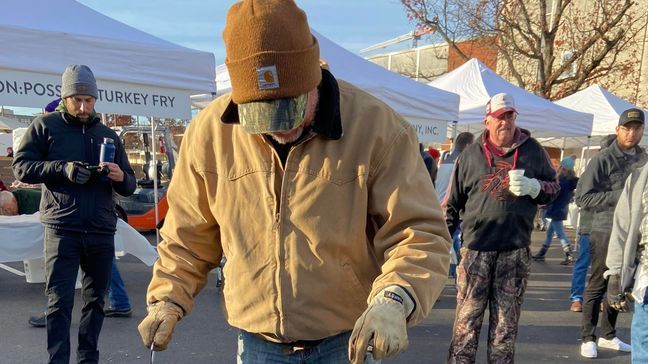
pixel 21 238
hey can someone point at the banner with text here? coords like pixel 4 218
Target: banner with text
pixel 36 90
pixel 430 131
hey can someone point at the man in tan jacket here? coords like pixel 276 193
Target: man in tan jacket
pixel 316 194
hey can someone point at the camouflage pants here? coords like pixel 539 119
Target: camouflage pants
pixel 496 279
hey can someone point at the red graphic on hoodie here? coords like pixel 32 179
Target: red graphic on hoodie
pixel 496 183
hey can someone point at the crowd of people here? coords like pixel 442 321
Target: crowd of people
pixel 336 223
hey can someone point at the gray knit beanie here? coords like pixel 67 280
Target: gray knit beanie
pixel 78 80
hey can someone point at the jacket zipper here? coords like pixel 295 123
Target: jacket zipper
pixel 84 204
pixel 277 228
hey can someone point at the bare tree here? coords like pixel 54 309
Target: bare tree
pixel 551 47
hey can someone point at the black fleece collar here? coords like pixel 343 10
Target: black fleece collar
pixel 327 123
pixel 73 120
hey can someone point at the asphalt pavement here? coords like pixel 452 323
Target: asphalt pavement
pixel 548 333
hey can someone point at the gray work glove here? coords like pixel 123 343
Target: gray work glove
pixel 521 186
pixel 384 321
pixel 77 172
pixel 615 297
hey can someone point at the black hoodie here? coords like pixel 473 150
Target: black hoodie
pixel 493 218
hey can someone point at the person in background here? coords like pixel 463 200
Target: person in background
pixel 19 202
pixel 599 189
pixel 430 164
pixel 579 274
pixel 316 193
pixel 435 154
pixel 117 295
pixel 581 265
pixel 558 210
pixel 52 105
pixel 462 141
pixel 627 260
pixel 10 152
pixel 496 187
pixel 77 209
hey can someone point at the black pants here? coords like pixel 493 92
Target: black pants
pixel 595 292
pixel 65 252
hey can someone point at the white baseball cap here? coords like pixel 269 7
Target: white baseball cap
pixel 499 104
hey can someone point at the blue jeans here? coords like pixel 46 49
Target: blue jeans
pixel 117 291
pixel 65 252
pixel 639 333
pixel 579 273
pixel 555 226
pixel 333 350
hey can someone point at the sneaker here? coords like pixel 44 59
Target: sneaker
pixel 614 344
pixel 538 258
pixel 568 260
pixel 37 321
pixel 576 306
pixel 113 312
pixel 588 350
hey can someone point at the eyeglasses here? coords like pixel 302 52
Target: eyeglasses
pixel 635 128
pixel 507 116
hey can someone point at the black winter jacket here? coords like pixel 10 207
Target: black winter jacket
pixel 49 143
pixel 558 209
pixel 600 186
pixel 493 218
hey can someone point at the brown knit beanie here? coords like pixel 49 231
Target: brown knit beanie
pixel 270 51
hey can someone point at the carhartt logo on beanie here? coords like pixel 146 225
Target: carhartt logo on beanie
pixel 271 52
pixel 78 80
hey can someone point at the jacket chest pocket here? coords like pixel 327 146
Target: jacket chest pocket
pixel 337 178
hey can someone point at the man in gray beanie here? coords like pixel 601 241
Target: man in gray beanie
pixel 59 150
pixel 78 79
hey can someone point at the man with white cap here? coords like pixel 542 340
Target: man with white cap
pixel 495 188
pixel 317 195
pixel 77 209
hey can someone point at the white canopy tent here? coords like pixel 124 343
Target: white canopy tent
pixel 428 109
pixel 137 73
pixel 476 84
pixel 606 108
pixel 7 125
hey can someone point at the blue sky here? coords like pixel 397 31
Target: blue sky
pixel 198 24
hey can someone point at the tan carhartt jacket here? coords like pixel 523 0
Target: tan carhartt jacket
pixel 310 244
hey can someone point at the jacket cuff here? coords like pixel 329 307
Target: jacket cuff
pixel 399 294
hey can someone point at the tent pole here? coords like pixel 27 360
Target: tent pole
pixel 155 181
pixel 583 165
pixel 454 134
pixel 562 150
pixel 582 169
pixel 418 60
